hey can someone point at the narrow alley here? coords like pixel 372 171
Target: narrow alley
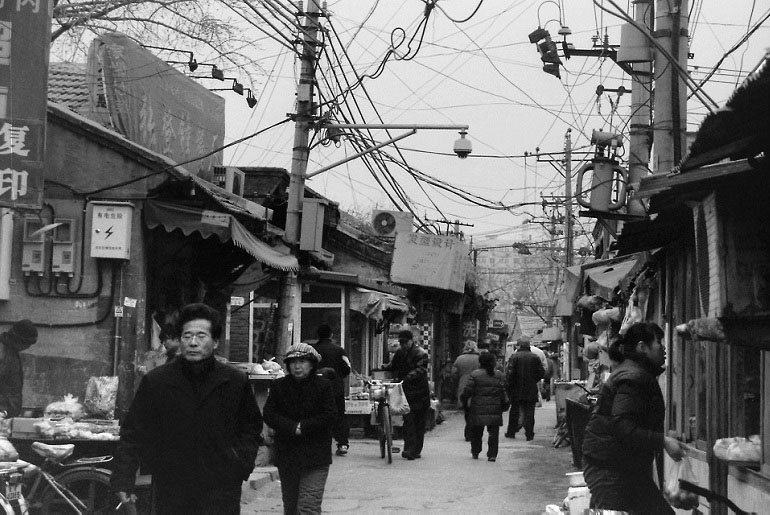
pixel 526 477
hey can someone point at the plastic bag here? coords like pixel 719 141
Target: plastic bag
pixel 398 403
pixel 68 407
pixel 101 393
pixel 676 496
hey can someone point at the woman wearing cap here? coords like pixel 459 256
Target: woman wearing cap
pixel 301 410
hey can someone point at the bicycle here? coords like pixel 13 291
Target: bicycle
pixel 379 392
pixel 80 486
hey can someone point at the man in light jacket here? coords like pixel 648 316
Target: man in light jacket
pixel 465 363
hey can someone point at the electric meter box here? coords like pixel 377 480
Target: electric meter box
pixel 111 229
pixel 33 246
pixel 63 252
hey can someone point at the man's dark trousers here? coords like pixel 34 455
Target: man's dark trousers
pixel 414 431
pixel 522 415
pixel 341 429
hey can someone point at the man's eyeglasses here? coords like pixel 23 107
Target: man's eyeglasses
pixel 201 337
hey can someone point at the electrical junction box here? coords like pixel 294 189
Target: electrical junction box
pixel 63 253
pixel 33 246
pixel 311 230
pixel 111 229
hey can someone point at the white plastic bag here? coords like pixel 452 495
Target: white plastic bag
pixel 676 496
pixel 68 407
pixel 398 403
pixel 101 395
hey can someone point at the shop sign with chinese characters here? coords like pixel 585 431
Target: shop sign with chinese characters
pixel 25 32
pixel 429 260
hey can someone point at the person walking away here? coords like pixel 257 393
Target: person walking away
pixel 485 392
pixel 333 356
pixel 20 337
pixel 301 410
pixel 540 354
pixel 626 428
pixel 465 363
pixel 194 423
pixel 525 370
pixel 410 365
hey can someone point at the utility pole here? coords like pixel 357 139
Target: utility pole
pixel 671 21
pixel 639 135
pixel 568 196
pixel 289 291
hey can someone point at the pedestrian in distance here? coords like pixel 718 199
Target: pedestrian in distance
pixel 300 408
pixel 410 366
pixel 465 363
pixel 486 400
pixel 20 337
pixel 540 354
pixel 194 425
pixel 334 357
pixel 626 429
pixel 525 370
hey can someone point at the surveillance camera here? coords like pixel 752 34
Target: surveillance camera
pixel 463 147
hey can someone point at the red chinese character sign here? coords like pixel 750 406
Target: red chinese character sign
pixel 429 260
pixel 25 32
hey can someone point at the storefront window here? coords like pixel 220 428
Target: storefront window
pixel 321 304
pixel 356 351
pixel 746 385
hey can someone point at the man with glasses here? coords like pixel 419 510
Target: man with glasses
pixel 194 423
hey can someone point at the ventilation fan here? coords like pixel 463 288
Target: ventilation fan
pixel 388 223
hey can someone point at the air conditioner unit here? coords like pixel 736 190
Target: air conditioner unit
pixel 388 223
pixel 230 178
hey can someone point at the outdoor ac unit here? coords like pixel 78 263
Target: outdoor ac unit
pixel 388 223
pixel 230 178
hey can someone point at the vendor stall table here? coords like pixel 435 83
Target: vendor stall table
pixel 83 448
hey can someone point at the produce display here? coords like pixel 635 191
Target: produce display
pixel 69 429
pixel 738 448
pixel 68 407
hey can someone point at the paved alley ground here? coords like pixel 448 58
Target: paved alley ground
pixel 526 477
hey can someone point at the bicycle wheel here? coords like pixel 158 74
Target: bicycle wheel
pixel 381 429
pixel 91 486
pixel 387 429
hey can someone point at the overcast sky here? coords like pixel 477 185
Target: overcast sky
pixel 484 73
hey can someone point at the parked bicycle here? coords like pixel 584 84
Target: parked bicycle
pixel 80 486
pixel 379 392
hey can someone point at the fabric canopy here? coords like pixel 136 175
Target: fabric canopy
pixel 372 303
pixel 602 279
pixel 222 225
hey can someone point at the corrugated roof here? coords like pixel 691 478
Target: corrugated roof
pixel 67 85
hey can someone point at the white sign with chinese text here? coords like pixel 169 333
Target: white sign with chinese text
pixel 429 260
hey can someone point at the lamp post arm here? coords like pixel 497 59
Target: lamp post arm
pixel 395 126
pixel 359 154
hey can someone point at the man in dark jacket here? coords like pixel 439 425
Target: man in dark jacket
pixel 626 429
pixel 333 356
pixel 194 423
pixel 300 408
pixel 19 337
pixel 410 365
pixel 525 370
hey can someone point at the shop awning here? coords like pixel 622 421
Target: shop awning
pixel 603 277
pixel 372 303
pixel 222 225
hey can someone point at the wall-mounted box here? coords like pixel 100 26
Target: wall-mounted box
pixel 33 246
pixel 111 224
pixel 63 251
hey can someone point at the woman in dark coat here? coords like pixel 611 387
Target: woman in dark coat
pixel 626 429
pixel 301 410
pixel 485 392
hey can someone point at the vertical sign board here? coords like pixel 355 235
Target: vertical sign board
pixel 25 33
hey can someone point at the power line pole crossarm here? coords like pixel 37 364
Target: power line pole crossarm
pixel 288 305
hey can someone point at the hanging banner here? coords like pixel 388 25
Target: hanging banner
pixel 25 32
pixel 428 260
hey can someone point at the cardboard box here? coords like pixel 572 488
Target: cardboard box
pixel 358 407
pixel 22 427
